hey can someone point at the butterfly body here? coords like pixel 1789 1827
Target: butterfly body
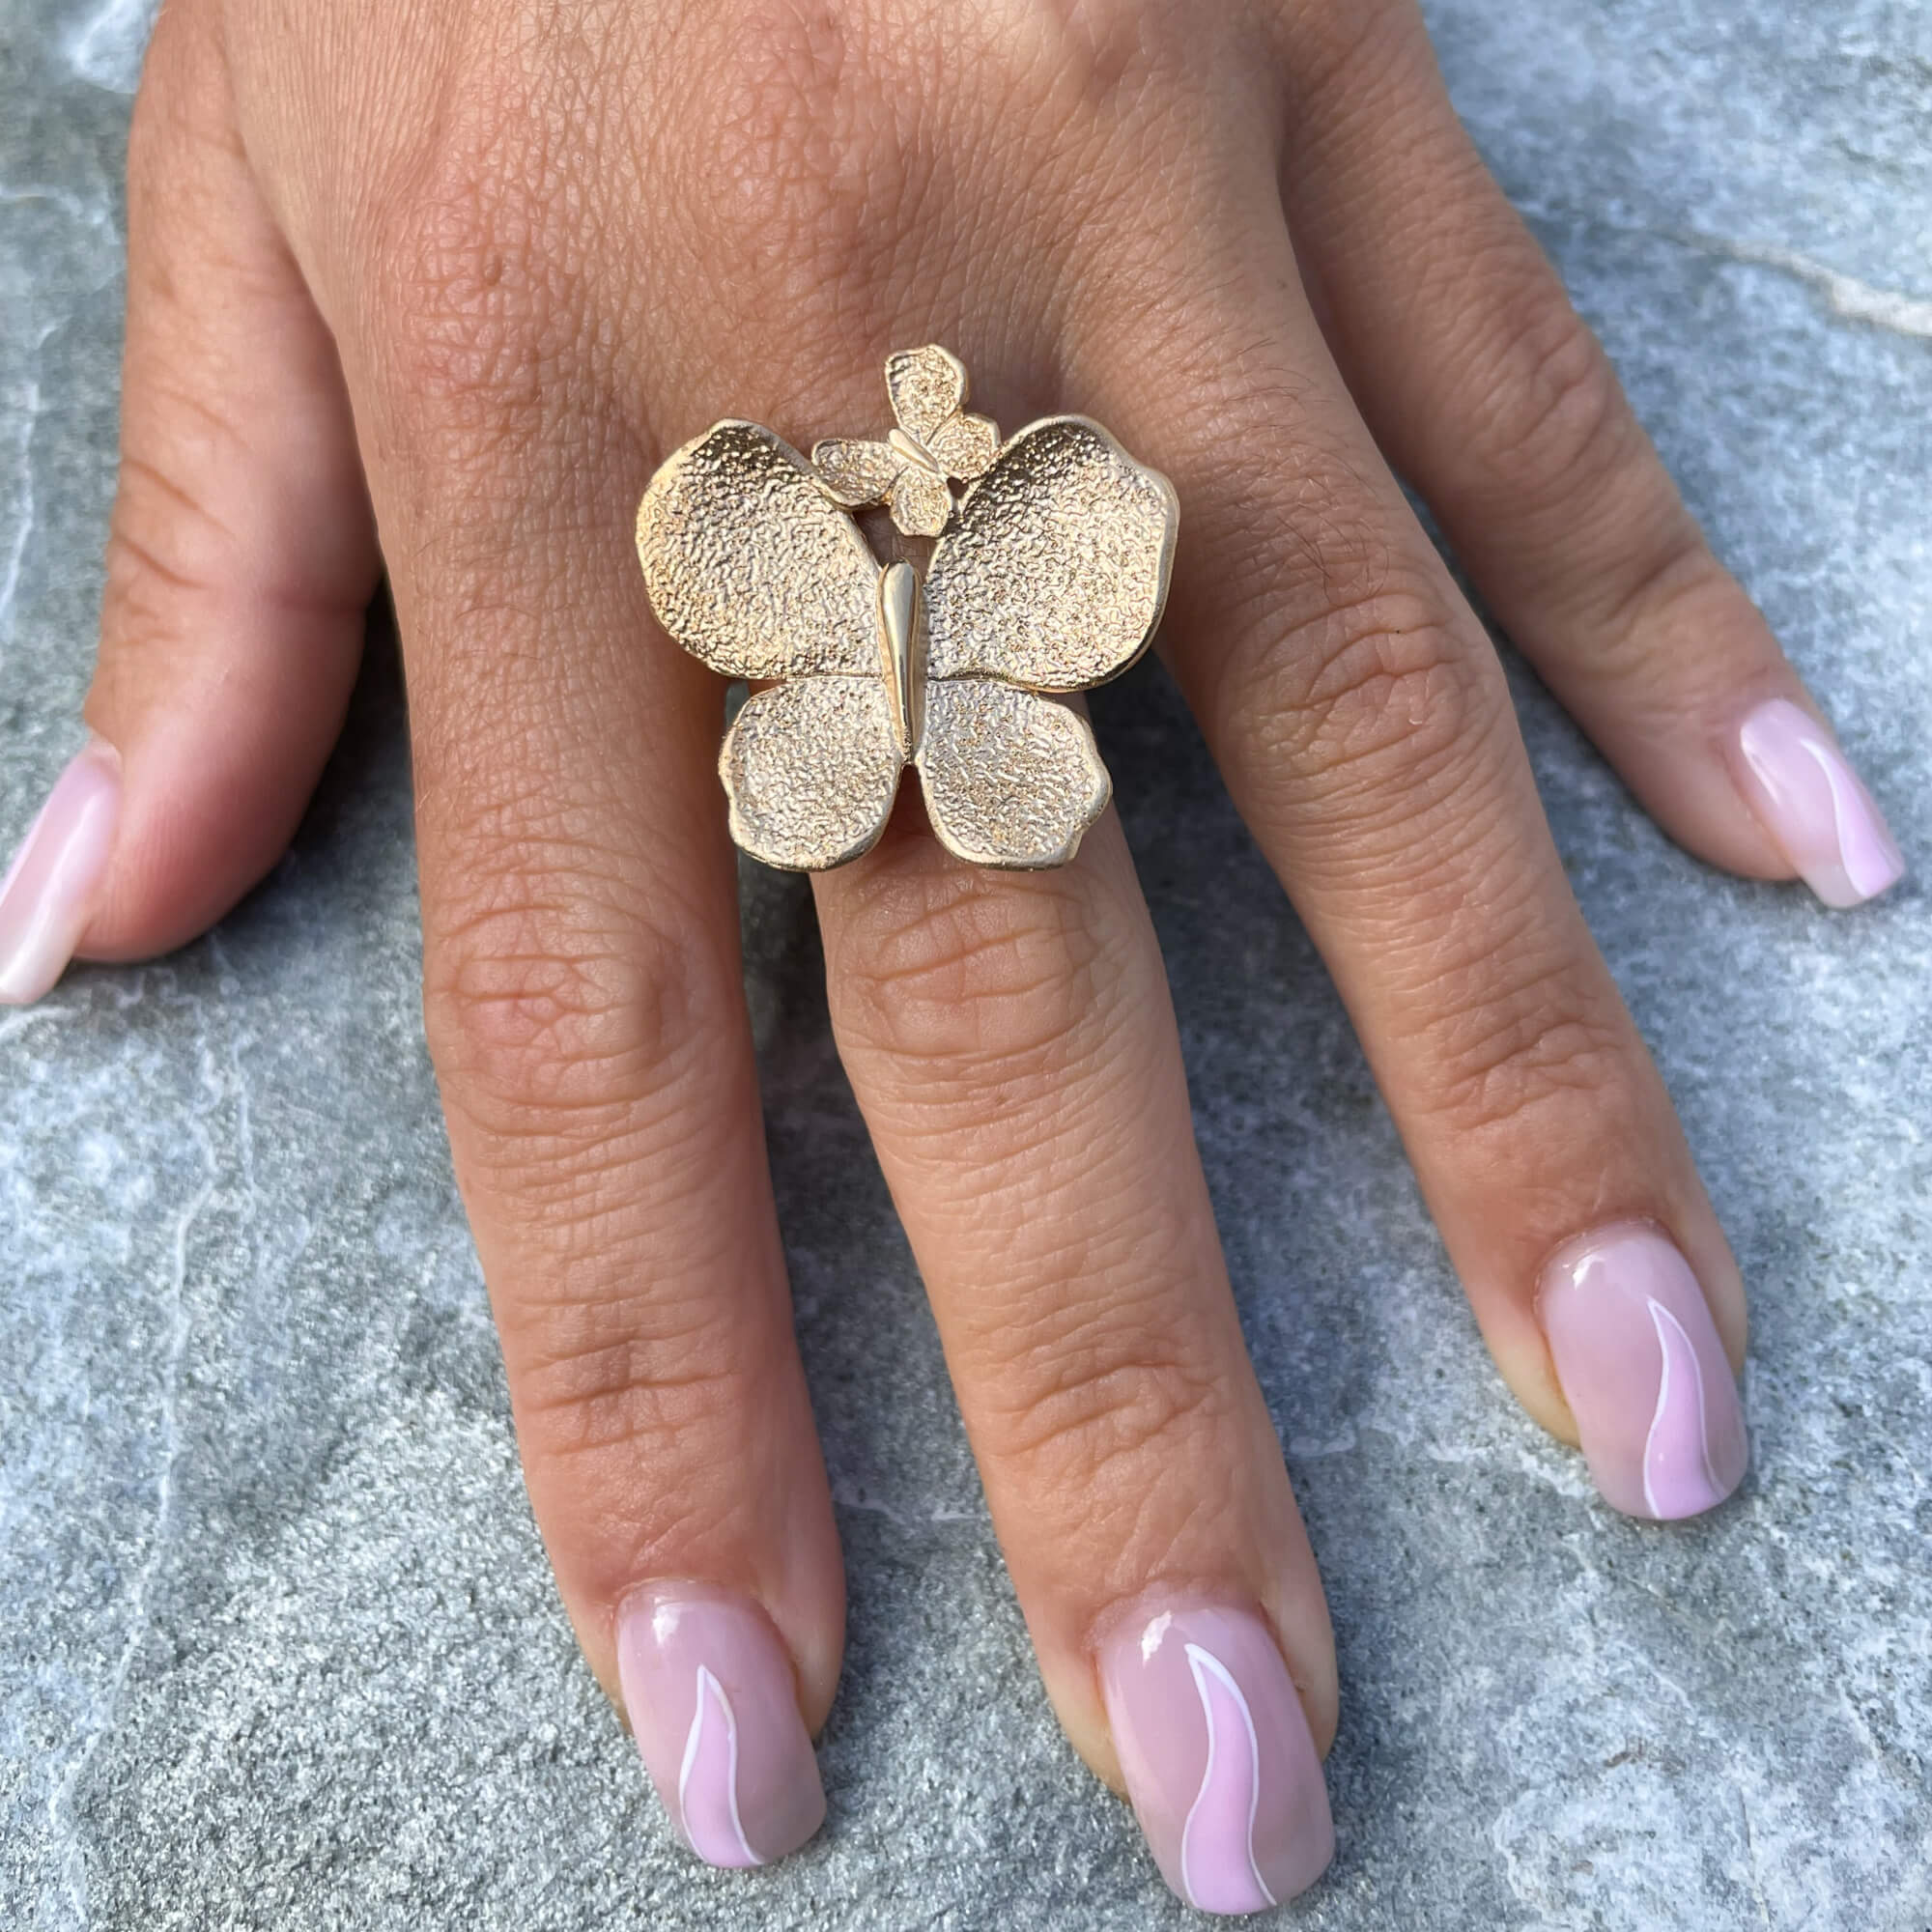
pixel 913 452
pixel 1048 575
pixel 902 647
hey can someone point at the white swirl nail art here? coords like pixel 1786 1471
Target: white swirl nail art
pixel 1677 1450
pixel 1814 808
pixel 1860 852
pixel 1217 1844
pixel 710 1811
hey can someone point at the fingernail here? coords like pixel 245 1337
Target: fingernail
pixel 48 893
pixel 1644 1373
pixel 710 1692
pixel 1217 1756
pixel 1810 801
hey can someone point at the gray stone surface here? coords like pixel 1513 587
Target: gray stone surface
pixel 277 1644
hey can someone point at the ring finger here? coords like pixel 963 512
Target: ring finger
pixel 1364 727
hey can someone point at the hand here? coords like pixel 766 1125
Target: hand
pixel 480 274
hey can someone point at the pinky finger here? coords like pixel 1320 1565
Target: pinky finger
pixel 1486 388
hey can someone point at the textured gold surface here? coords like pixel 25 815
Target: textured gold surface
pixel 927 387
pixel 810 769
pixel 919 502
pixel 1049 574
pixel 854 471
pixel 936 438
pixel 1054 569
pixel 1011 778
pixel 749 566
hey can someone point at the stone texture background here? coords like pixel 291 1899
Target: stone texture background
pixel 279 1646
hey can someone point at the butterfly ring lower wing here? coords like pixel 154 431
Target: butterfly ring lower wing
pixel 1011 778
pixel 811 768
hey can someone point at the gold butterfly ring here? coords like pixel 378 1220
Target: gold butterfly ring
pixel 1049 574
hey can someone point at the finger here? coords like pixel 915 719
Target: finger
pixel 585 1010
pixel 239 562
pixel 1487 391
pixel 1365 730
pixel 1010 1039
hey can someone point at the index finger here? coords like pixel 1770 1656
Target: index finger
pixel 586 1014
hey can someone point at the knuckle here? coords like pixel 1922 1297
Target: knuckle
pixel 477 266
pixel 1326 46
pixel 1525 1047
pixel 1668 586
pixel 581 1040
pixel 1553 412
pixel 1553 425
pixel 1089 1406
pixel 1373 687
pixel 567 1014
pixel 1353 664
pixel 796 169
pixel 599 1369
pixel 944 967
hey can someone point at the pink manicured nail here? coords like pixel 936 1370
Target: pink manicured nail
pixel 48 893
pixel 711 1697
pixel 1811 802
pixel 1217 1756
pixel 1644 1373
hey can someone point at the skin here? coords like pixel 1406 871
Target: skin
pixel 451 280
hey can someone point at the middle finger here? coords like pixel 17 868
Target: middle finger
pixel 1012 1044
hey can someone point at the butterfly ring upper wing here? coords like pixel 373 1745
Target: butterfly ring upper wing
pixel 751 567
pixel 1054 569
pixel 928 392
